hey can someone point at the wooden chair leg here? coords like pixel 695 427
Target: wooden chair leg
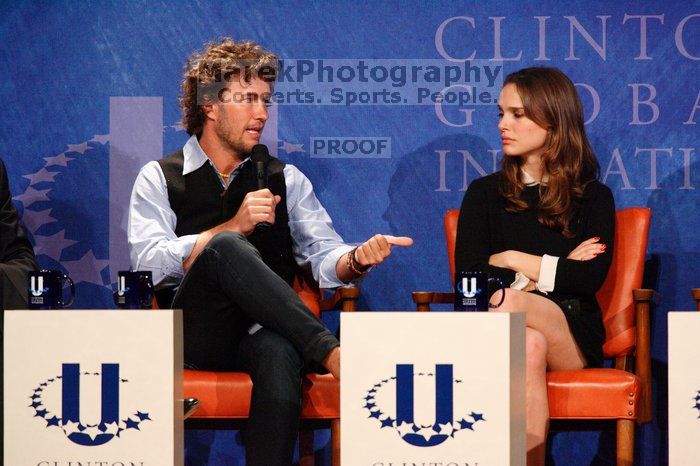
pixel 335 442
pixel 625 442
pixel 306 447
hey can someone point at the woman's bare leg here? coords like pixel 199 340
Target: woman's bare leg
pixel 536 406
pixel 548 344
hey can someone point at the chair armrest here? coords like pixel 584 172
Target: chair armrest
pixel 345 298
pixel 696 297
pixel 642 303
pixel 424 299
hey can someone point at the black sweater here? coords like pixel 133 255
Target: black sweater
pixel 486 228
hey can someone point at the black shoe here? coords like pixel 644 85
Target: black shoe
pixel 191 405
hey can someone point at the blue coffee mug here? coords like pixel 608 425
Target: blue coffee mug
pixel 472 291
pixel 134 289
pixel 46 290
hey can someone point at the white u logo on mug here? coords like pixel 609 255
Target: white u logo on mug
pixel 121 287
pixel 469 288
pixel 37 289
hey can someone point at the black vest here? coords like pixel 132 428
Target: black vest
pixel 200 202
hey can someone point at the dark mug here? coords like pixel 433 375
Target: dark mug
pixel 134 290
pixel 472 291
pixel 46 289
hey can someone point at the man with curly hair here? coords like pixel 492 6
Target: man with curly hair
pixel 192 222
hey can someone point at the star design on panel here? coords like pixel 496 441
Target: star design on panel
pixel 177 126
pixel 385 419
pixel 68 427
pixel 58 160
pixel 34 218
pixel 52 245
pixel 290 147
pixel 86 269
pixel 41 176
pixel 79 148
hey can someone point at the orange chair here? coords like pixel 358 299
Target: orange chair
pixel 696 297
pixel 622 394
pixel 224 397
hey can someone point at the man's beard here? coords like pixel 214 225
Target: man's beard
pixel 225 133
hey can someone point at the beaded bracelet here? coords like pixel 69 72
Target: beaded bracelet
pixel 355 266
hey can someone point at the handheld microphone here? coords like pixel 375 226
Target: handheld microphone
pixel 260 156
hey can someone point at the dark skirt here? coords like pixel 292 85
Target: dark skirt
pixel 586 324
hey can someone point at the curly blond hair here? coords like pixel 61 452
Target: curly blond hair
pixel 208 71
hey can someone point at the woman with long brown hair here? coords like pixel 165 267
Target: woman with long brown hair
pixel 544 225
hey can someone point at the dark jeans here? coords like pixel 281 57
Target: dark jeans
pixel 227 289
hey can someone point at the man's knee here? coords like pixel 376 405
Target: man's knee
pixel 276 359
pixel 233 246
pixel 226 240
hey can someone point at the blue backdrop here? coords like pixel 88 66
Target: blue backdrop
pixel 90 94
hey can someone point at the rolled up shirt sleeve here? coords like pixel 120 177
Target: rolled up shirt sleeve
pixel 315 242
pixel 153 244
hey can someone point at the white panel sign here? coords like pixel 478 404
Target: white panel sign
pixel 683 388
pixel 93 387
pixel 433 388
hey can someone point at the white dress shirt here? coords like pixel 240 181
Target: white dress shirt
pixel 154 246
